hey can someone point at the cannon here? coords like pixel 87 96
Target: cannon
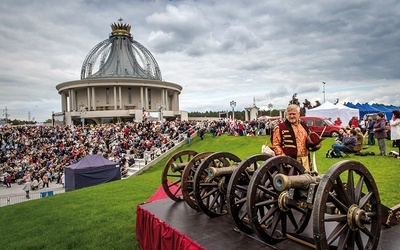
pixel 211 182
pixel 171 179
pixel 238 188
pixel 343 204
pixel 221 181
pixel 188 177
pixel 220 186
pixel 178 175
pixel 277 199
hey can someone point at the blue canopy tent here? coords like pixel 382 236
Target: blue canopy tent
pixel 374 108
pixel 370 109
pixel 350 105
pixel 384 110
pixel 91 170
pixel 363 109
pixel 392 107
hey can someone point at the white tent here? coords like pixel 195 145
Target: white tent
pixel 329 110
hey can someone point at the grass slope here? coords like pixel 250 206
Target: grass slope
pixel 104 216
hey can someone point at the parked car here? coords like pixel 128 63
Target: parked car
pixel 318 124
pixel 373 115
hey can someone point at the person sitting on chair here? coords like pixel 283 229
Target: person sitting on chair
pixel 35 184
pixel 360 140
pixel 339 138
pixel 349 141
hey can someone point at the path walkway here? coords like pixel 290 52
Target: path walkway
pixel 15 194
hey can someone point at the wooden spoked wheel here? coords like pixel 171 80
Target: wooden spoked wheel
pixel 237 191
pixel 347 209
pixel 210 194
pixel 171 178
pixel 269 221
pixel 188 179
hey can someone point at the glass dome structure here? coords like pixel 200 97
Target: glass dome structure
pixel 120 56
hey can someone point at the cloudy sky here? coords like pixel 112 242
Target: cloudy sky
pixel 218 51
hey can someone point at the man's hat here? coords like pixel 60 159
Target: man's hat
pixel 314 142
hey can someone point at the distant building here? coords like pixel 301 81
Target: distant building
pixel 120 81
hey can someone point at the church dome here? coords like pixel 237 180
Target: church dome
pixel 120 56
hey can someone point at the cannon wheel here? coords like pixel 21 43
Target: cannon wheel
pixel 237 191
pixel 210 195
pixel 171 181
pixel 188 179
pixel 349 190
pixel 268 220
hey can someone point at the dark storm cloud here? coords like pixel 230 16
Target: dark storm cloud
pixel 232 49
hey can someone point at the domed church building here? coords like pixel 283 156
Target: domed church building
pixel 120 81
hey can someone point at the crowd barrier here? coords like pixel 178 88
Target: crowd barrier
pixel 4 201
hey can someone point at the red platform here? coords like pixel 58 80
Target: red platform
pixel 165 224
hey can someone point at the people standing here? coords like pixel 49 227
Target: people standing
pixel 362 125
pixel 8 181
pixel 338 122
pixel 353 123
pixel 63 179
pixel 290 137
pixel 188 137
pixel 45 180
pixel 201 132
pixel 380 132
pixel 395 129
pixel 27 188
pixel 370 131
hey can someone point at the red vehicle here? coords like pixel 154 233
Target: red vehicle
pixel 318 124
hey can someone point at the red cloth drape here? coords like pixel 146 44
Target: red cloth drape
pixel 160 194
pixel 154 234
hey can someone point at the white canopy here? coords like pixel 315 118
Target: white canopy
pixel 329 110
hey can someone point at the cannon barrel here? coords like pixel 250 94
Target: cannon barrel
pixel 283 182
pixel 215 172
pixel 178 166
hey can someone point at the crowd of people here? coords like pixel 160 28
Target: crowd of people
pixel 242 128
pixel 293 138
pixel 41 153
pixel 351 137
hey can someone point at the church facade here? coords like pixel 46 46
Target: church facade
pixel 120 81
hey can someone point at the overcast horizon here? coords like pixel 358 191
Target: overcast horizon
pixel 218 51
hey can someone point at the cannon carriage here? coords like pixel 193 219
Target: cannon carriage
pixel 276 199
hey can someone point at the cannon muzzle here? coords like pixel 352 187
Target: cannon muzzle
pixel 215 172
pixel 283 182
pixel 178 166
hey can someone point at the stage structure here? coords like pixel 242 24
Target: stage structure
pixel 273 199
pixel 120 81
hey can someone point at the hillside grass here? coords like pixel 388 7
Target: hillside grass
pixel 104 216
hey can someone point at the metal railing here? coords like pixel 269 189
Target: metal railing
pixel 10 200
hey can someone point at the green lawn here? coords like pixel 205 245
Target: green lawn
pixel 104 216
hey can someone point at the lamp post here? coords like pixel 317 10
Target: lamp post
pixel 233 105
pixel 270 106
pixel 160 108
pixel 324 90
pixel 83 113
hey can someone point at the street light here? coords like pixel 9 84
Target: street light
pixel 83 113
pixel 160 108
pixel 233 105
pixel 324 90
pixel 270 106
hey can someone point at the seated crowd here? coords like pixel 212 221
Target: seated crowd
pixel 40 153
pixel 349 140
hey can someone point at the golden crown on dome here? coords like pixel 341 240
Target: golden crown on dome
pixel 120 28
